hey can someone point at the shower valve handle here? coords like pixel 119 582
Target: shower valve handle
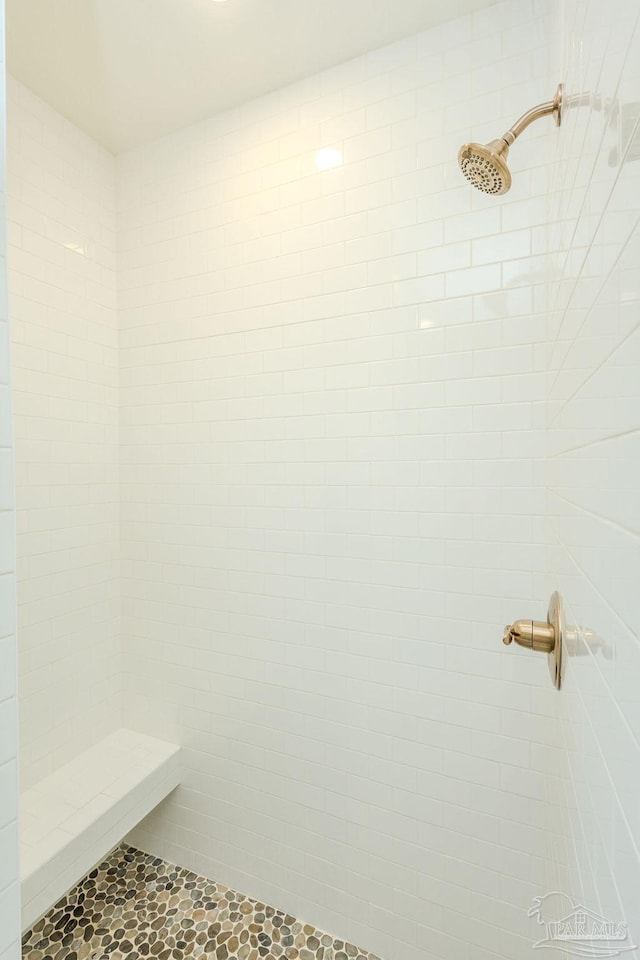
pixel 532 634
pixel 546 637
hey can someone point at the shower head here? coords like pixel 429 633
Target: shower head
pixel 485 165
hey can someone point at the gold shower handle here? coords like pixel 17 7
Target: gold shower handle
pixel 532 634
pixel 543 637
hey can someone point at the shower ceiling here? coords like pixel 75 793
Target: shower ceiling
pixel 128 71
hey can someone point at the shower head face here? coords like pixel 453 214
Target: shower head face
pixel 485 167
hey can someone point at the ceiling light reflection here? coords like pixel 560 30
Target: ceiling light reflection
pixel 328 158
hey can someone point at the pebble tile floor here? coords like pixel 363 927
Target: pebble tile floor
pixel 135 906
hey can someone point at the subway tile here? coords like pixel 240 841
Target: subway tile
pixel 65 340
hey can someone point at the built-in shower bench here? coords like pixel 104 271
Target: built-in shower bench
pixel 70 820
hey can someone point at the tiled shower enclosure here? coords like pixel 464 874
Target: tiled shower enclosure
pixel 292 445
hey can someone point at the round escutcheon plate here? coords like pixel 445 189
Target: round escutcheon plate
pixel 555 617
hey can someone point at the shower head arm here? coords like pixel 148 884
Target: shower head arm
pixel 550 108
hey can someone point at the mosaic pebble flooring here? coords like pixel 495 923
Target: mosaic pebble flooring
pixel 135 906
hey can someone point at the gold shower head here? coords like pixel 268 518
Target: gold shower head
pixel 485 165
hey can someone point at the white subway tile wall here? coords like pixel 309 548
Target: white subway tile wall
pixel 594 448
pixel 62 289
pixel 9 860
pixel 332 443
